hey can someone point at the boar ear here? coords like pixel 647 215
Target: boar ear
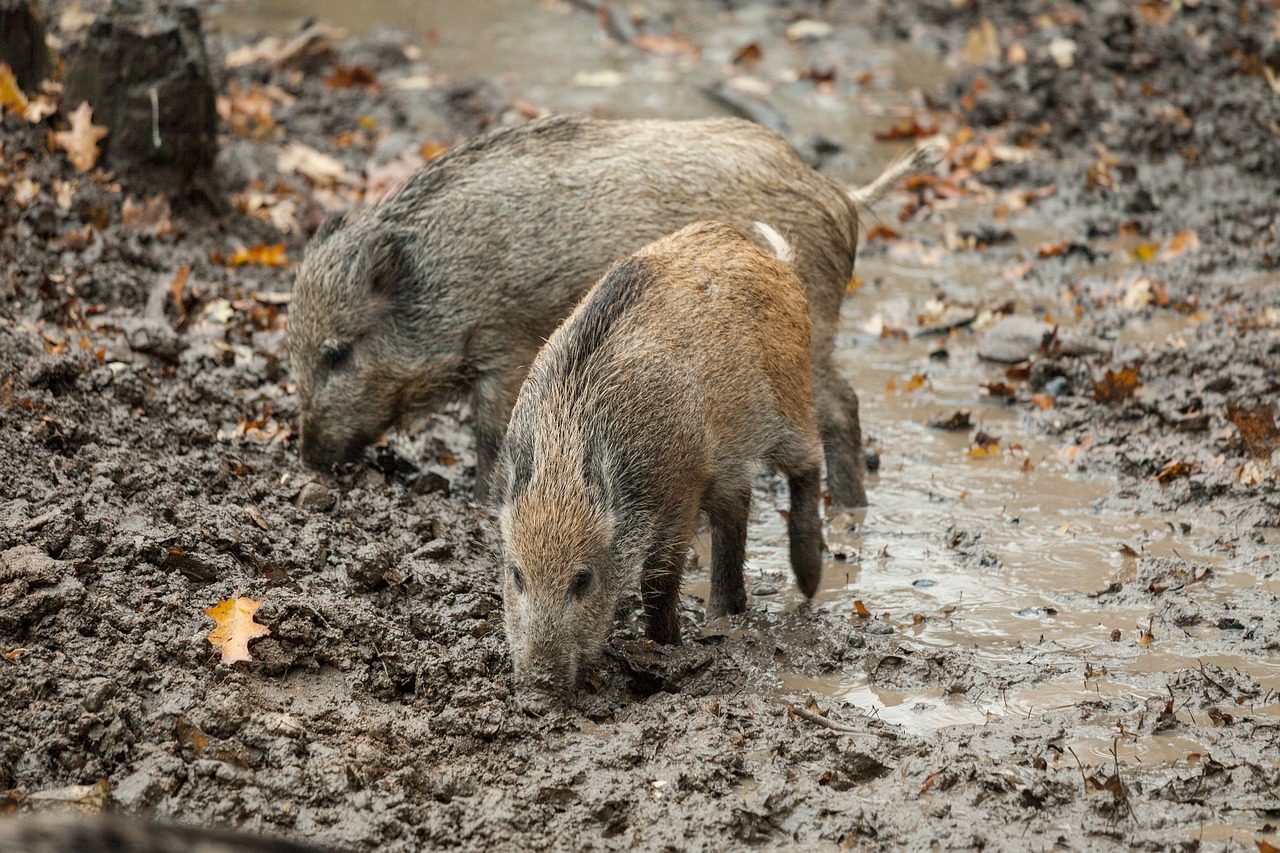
pixel 331 223
pixel 389 262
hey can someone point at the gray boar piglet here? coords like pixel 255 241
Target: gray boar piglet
pixel 679 375
pixel 448 289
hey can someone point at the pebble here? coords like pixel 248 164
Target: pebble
pixel 315 497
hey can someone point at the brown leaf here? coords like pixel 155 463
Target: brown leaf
pixel 1173 471
pixel 176 288
pixel 81 141
pixel 668 45
pixel 907 128
pixel 1117 386
pixel 881 232
pixel 956 421
pixel 350 76
pixel 749 54
pixel 861 609
pixel 984 446
pixel 152 215
pixel 247 111
pixel 235 628
pixel 1257 427
pixel 1179 244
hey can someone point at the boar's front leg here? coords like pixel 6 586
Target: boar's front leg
pixel 660 591
pixel 728 512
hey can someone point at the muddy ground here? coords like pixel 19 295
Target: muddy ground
pixel 151 471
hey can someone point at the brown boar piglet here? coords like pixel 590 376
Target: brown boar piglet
pixel 678 376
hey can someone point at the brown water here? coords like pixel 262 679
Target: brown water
pixel 1049 542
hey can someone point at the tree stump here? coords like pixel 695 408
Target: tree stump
pixel 22 44
pixel 146 76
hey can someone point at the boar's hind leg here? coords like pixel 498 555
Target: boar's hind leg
pixel 660 590
pixel 804 529
pixel 837 406
pixel 728 513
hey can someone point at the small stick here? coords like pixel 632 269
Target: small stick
pixel 806 714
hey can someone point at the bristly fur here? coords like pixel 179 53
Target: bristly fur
pixel 678 375
pixel 449 288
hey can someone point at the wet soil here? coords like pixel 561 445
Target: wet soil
pixel 1060 635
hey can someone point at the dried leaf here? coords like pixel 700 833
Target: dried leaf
pixel 12 98
pixel 24 191
pixel 749 54
pixel 1067 454
pixel 908 128
pixel 1117 386
pixel 235 628
pixel 248 112
pixel 982 44
pixel 956 421
pixel 318 168
pixel 176 288
pixel 81 141
pixel 1173 471
pixel 1052 250
pixel 74 17
pixel 350 76
pixel 1063 52
pixel 260 255
pixel 1257 427
pixel 1179 244
pixel 152 215
pixel 861 609
pixel 1044 402
pixel 668 45
pixel 984 446
pixel 915 383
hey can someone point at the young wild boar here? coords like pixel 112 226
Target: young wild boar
pixel 680 373
pixel 449 288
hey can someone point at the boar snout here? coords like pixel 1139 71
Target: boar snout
pixel 322 451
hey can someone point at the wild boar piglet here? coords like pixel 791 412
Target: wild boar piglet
pixel 676 378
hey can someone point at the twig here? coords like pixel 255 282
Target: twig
pixel 806 714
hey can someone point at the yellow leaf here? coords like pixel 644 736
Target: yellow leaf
pixel 81 141
pixel 11 96
pixel 915 383
pixel 235 627
pixel 260 255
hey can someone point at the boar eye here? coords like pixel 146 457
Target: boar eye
pixel 336 355
pixel 581 584
pixel 517 578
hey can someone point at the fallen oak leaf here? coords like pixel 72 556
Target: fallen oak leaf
pixel 260 255
pixel 12 98
pixel 81 141
pixel 317 167
pixel 668 45
pixel 350 76
pixel 235 627
pixel 1117 386
pixel 1173 471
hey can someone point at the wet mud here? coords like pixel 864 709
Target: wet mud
pixel 1055 627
